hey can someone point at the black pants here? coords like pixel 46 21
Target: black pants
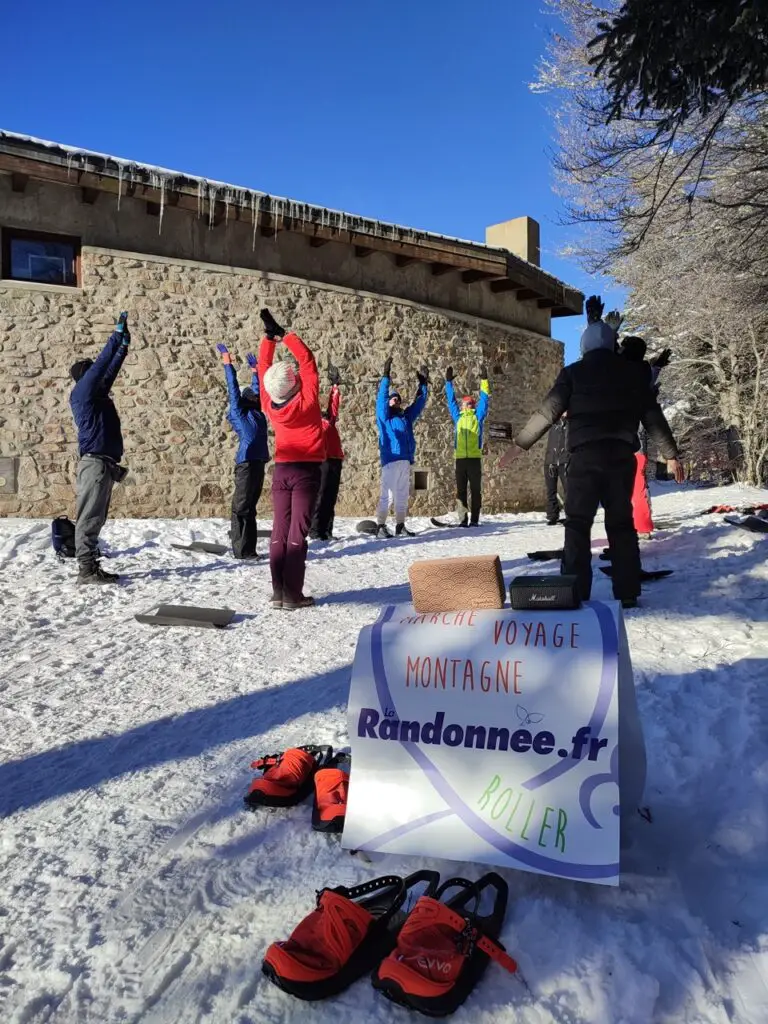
pixel 249 480
pixel 552 475
pixel 325 509
pixel 602 473
pixel 469 476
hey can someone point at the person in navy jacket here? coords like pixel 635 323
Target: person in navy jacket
pixel 100 445
pixel 397 448
pixel 250 425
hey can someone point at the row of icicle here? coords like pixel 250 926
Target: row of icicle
pixel 258 202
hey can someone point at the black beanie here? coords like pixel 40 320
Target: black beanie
pixel 80 368
pixel 633 348
pixel 250 397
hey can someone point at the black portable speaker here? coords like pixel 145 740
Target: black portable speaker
pixel 543 593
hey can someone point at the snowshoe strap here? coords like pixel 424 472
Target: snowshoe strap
pixel 268 761
pixel 470 936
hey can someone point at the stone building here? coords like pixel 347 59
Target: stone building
pixel 84 235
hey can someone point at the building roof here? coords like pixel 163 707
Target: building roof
pixel 502 271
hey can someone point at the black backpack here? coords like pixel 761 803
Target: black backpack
pixel 63 537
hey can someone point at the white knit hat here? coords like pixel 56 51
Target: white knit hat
pixel 598 335
pixel 280 381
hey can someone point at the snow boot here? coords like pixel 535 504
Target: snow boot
pixel 382 533
pixel 302 602
pixel 91 572
pixel 401 530
pixel 276 601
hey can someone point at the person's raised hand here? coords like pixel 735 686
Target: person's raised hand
pixel 223 351
pixel 252 360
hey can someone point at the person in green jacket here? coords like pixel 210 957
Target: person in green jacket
pixel 468 420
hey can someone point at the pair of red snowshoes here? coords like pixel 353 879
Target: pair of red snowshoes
pixel 289 777
pixel 428 959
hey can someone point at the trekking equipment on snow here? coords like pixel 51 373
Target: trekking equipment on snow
pixel 63 537
pixel 545 556
pixel 444 948
pixel 757 524
pixel 346 935
pixel 187 615
pixel 401 530
pixel 287 777
pixel 331 789
pixel 202 545
pixel 646 575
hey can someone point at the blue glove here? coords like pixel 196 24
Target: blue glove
pixel 252 360
pixel 121 327
pixel 222 349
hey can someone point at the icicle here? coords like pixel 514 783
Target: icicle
pixel 120 169
pixel 200 196
pixel 70 158
pixel 163 183
pixel 255 203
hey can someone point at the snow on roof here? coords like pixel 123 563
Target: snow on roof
pixel 212 190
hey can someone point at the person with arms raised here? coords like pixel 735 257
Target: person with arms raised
pixel 293 408
pixel 330 471
pixel 100 444
pixel 469 422
pixel 606 397
pixel 397 448
pixel 250 425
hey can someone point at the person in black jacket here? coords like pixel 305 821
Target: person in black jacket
pixel 556 467
pixel 100 443
pixel 606 397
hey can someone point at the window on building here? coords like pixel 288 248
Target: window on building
pixel 47 259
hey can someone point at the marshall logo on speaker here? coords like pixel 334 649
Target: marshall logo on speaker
pixel 554 592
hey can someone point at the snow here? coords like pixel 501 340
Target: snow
pixel 134 887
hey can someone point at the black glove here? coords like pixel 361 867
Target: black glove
pixel 387 371
pixel 333 374
pixel 449 373
pixel 272 328
pixel 594 309
pixel 662 359
pixel 423 375
pixel 483 372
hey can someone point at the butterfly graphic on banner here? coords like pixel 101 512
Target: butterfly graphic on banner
pixel 528 717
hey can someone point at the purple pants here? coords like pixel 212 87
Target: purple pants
pixel 294 492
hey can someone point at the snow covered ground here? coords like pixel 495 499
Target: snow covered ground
pixel 134 887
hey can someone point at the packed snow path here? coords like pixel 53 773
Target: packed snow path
pixel 134 887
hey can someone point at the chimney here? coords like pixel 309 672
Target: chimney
pixel 520 236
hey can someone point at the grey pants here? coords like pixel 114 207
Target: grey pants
pixel 94 490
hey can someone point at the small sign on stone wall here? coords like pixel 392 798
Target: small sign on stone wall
pixel 9 475
pixel 500 432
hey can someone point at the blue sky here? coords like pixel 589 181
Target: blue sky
pixel 414 111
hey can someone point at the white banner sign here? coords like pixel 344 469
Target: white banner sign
pixel 493 736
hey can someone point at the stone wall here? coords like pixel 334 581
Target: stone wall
pixel 171 393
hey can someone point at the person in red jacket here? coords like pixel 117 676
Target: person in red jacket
pixel 293 408
pixel 330 471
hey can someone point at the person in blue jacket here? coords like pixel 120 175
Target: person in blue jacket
pixel 250 425
pixel 397 448
pixel 100 445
